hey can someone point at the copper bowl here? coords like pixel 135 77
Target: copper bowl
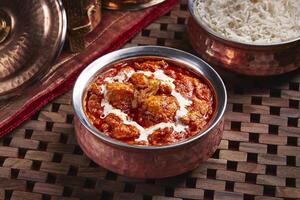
pixel 149 161
pixel 241 57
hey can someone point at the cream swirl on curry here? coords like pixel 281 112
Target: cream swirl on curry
pixel 146 101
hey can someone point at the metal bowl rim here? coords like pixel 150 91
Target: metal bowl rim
pixel 165 52
pixel 205 26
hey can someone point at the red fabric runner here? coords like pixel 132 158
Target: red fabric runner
pixel 114 31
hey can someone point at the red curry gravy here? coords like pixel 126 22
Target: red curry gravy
pixel 147 101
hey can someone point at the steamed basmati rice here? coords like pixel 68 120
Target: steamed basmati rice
pixel 252 21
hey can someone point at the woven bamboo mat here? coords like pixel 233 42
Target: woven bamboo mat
pixel 258 158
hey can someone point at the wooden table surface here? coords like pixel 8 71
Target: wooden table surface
pixel 258 158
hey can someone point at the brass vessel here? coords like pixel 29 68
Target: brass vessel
pixel 83 16
pixel 129 4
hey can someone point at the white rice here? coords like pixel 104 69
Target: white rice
pixel 251 21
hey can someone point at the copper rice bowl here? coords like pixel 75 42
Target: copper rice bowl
pixel 242 57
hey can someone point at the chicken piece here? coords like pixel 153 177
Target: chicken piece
pixel 120 95
pixel 161 137
pixel 112 120
pixel 185 85
pixel 198 114
pixel 202 91
pixel 145 88
pixel 195 120
pixel 152 87
pixel 165 89
pixel 160 108
pixel 202 106
pixel 109 122
pixel 114 127
pixel 147 85
pixel 151 65
pixel 95 89
pixel 139 80
pixel 124 132
pixel 94 105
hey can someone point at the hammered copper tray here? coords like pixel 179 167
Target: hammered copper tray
pixel 258 158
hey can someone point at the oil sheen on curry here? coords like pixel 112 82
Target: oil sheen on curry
pixel 149 101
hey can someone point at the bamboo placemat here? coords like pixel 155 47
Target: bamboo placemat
pixel 258 158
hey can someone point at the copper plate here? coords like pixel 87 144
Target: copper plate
pixel 31 36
